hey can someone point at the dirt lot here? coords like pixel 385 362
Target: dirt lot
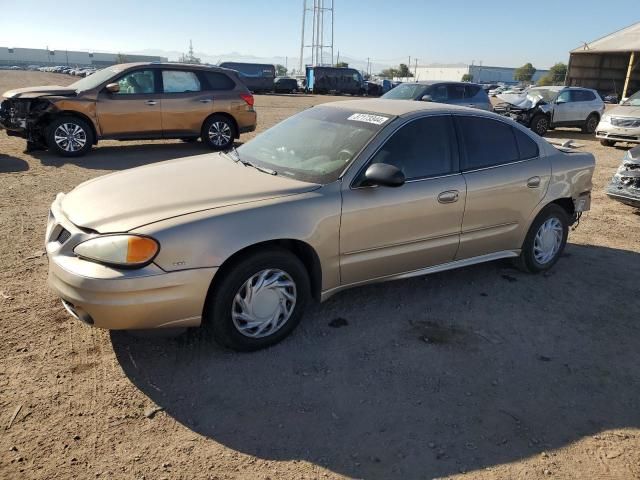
pixel 483 370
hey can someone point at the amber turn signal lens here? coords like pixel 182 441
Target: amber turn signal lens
pixel 141 249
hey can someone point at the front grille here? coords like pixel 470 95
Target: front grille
pixel 625 122
pixel 63 236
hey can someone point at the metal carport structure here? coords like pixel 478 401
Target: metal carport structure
pixel 609 64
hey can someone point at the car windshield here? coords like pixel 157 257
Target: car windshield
pixel 316 145
pixel 633 100
pixel 96 79
pixel 405 91
pixel 546 94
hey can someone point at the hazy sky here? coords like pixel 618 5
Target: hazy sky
pixel 497 33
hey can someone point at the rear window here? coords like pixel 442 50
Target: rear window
pixel 527 147
pixel 471 90
pixel 218 81
pixel 487 142
pixel 405 91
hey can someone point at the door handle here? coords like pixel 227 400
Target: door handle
pixel 450 196
pixel 206 100
pixel 151 102
pixel 533 182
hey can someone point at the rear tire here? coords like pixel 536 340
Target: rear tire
pixel 607 143
pixel 69 136
pixel 540 124
pixel 545 240
pixel 591 124
pixel 281 296
pixel 218 132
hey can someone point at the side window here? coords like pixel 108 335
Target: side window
pixel 527 147
pixel 439 93
pixel 487 142
pixel 582 96
pixel 471 91
pixel 137 82
pixel 565 96
pixel 219 81
pixel 176 81
pixel 422 148
pixel 456 92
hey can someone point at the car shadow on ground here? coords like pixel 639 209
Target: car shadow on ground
pixel 9 164
pixel 424 377
pixel 121 157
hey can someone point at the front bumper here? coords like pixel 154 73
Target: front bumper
pixel 607 131
pixel 120 299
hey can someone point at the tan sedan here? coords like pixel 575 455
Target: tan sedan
pixel 337 196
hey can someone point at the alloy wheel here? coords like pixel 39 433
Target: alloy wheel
pixel 70 137
pixel 219 133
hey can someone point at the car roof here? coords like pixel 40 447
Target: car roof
pixel 435 82
pixel 398 107
pixel 169 65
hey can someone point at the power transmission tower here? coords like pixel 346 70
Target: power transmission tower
pixel 320 10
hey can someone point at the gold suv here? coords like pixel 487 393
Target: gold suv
pixel 337 196
pixel 134 101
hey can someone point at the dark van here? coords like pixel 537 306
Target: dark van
pixel 335 79
pixel 258 77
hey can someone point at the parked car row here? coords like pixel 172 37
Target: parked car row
pixel 75 71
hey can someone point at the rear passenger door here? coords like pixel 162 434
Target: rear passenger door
pixel 185 103
pixel 582 102
pixel 506 179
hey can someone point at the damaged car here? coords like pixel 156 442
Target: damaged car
pixel 544 108
pixel 136 101
pixel 625 184
pixel 621 123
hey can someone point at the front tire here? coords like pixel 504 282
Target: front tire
pixel 540 124
pixel 607 143
pixel 591 123
pixel 218 132
pixel 259 300
pixel 69 136
pixel 545 240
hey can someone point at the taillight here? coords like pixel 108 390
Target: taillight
pixel 247 97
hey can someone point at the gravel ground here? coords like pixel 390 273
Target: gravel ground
pixel 482 372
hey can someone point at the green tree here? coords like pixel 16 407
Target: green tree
pixel 556 75
pixel 389 73
pixel 525 73
pixel 467 77
pixel 403 71
pixel 281 71
pixel 342 64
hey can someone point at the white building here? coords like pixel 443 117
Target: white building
pixel 479 73
pixel 42 57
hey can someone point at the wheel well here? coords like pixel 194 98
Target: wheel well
pixel 71 113
pixel 305 253
pixel 594 113
pixel 566 204
pixel 226 115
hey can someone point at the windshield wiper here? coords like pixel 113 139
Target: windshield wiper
pixel 247 163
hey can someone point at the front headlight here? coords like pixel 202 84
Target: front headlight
pixel 606 118
pixel 119 250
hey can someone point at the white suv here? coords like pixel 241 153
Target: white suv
pixel 542 108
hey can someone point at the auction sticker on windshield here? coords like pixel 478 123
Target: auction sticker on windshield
pixel 368 118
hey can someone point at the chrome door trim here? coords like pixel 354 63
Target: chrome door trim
pixel 425 271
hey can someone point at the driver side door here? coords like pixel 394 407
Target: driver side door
pixel 135 111
pixel 387 231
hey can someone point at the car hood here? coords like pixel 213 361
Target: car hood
pixel 125 200
pixel 624 111
pixel 35 92
pixel 521 100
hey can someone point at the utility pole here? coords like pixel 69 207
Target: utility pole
pixel 304 14
pixel 408 68
pixel 415 71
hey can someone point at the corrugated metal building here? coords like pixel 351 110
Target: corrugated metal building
pixel 609 64
pixel 480 73
pixel 34 56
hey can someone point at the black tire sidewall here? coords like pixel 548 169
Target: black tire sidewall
pixel 53 146
pixel 527 256
pixel 205 132
pixel 217 315
pixel 536 120
pixel 586 128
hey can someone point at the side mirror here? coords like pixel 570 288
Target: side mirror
pixel 384 175
pixel 427 98
pixel 113 87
